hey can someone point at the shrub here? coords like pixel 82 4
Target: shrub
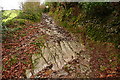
pixel 97 8
pixel 31 11
pixel 30 16
pixel 15 22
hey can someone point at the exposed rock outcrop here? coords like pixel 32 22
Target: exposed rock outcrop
pixel 60 48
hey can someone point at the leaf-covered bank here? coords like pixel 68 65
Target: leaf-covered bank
pixel 19 32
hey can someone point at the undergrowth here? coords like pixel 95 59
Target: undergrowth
pixel 101 24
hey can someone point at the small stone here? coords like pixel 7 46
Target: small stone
pixel 28 73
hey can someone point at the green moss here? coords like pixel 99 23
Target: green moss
pixel 102 68
pixel 10 14
pixel 15 22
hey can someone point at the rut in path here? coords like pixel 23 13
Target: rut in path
pixel 61 48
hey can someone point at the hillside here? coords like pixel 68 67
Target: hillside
pixel 65 40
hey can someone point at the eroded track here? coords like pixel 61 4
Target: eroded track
pixel 60 48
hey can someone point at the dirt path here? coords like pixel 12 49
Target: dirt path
pixel 60 48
